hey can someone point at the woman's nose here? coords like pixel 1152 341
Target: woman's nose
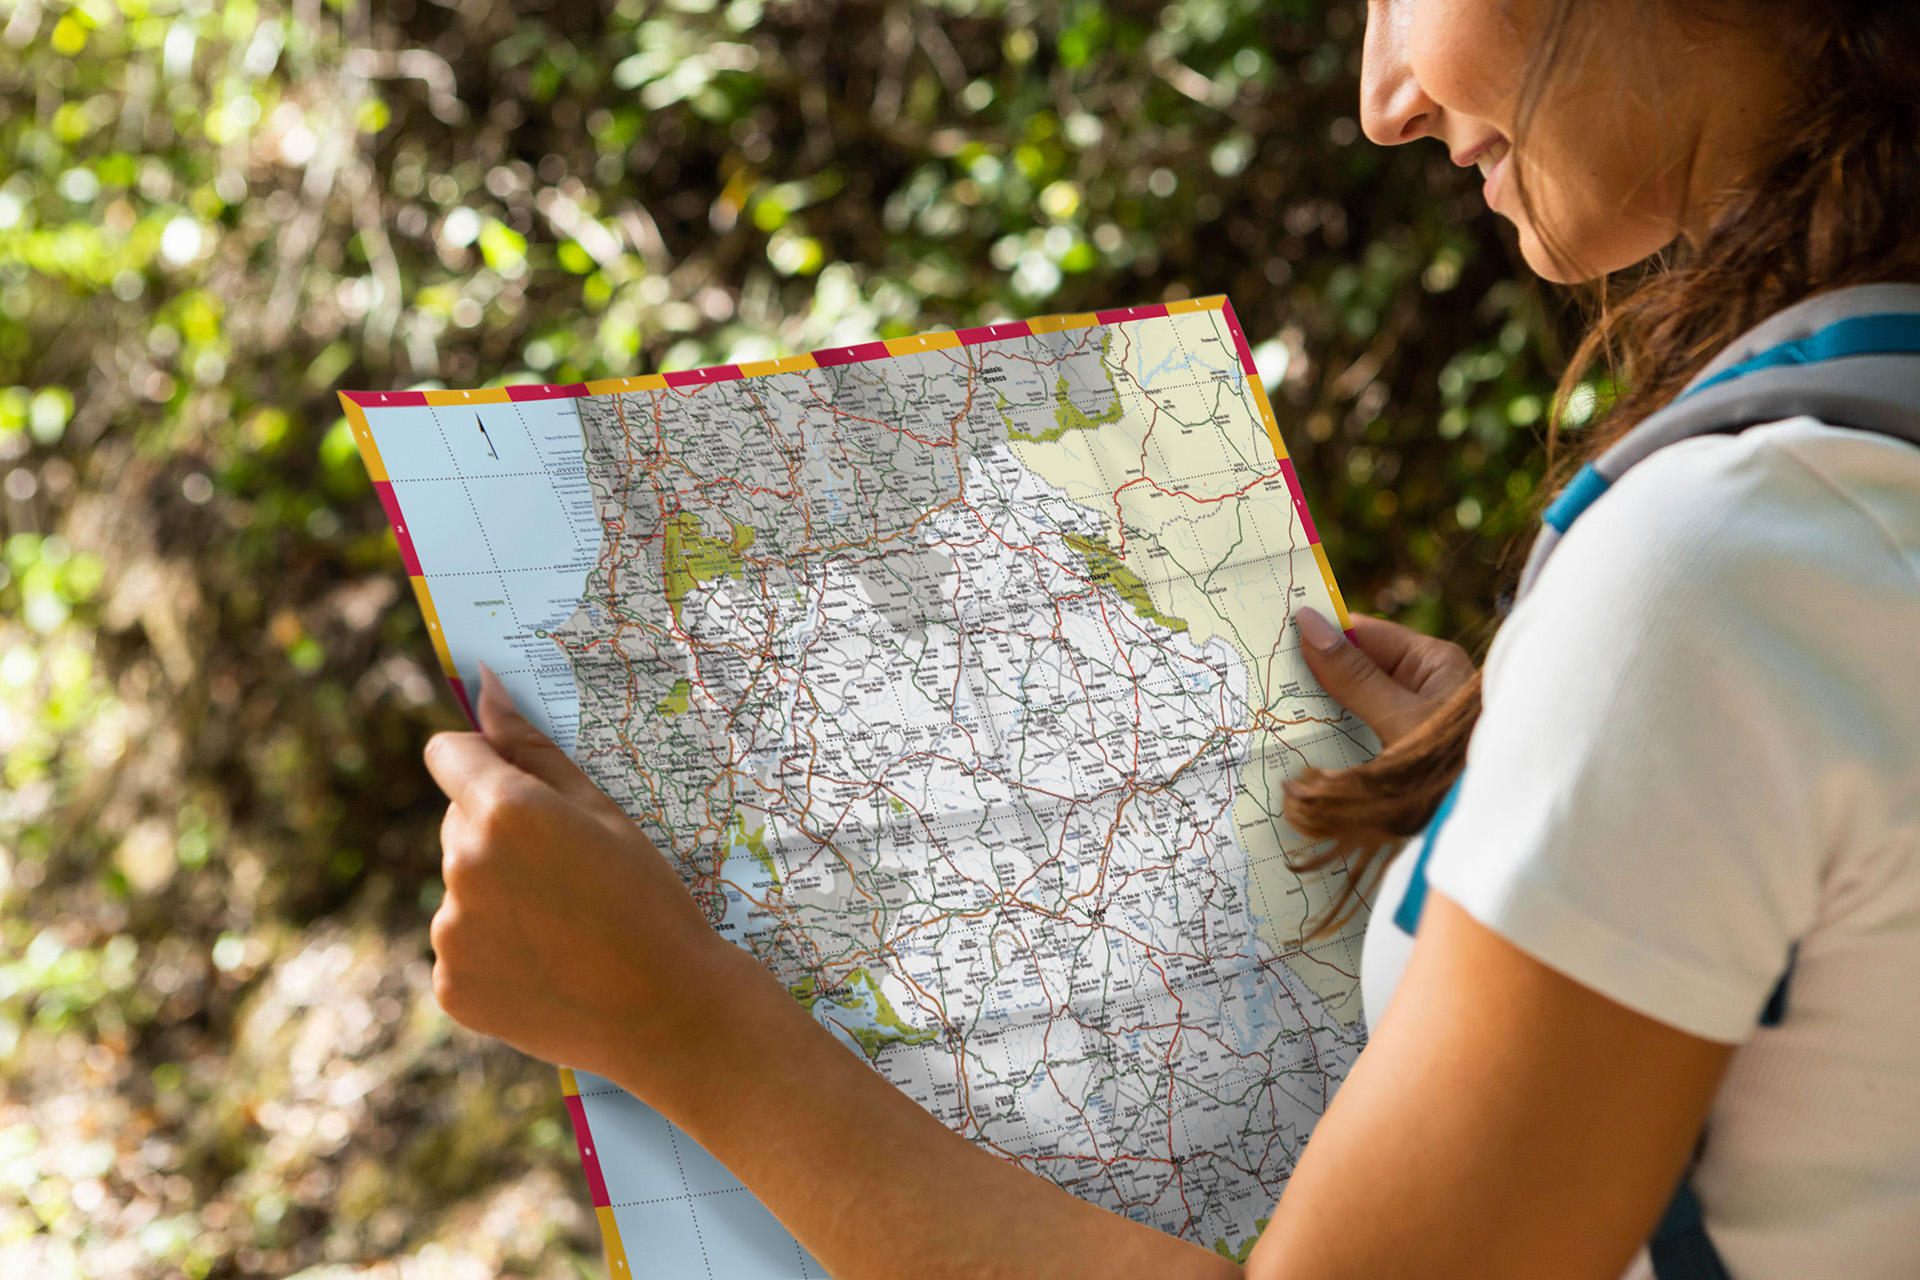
pixel 1393 107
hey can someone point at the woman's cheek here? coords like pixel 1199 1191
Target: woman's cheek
pixel 1597 206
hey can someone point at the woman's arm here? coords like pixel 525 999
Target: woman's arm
pixel 566 934
pixel 860 1173
pixel 1505 1121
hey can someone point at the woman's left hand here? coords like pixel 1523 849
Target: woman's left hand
pixel 563 930
pixel 1389 675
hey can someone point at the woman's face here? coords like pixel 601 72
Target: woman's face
pixel 1645 119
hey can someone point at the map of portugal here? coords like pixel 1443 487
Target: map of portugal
pixel 960 684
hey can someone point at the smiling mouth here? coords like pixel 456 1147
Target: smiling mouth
pixel 1488 158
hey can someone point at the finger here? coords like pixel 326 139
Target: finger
pixel 1423 663
pixel 1353 678
pixel 1387 643
pixel 463 764
pixel 460 845
pixel 451 987
pixel 441 927
pixel 516 739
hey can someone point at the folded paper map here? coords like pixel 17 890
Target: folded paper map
pixel 956 675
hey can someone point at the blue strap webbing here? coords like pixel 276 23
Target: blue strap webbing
pixel 1776 1006
pixel 1414 901
pixel 1679 1247
pixel 1895 333
pixel 1581 491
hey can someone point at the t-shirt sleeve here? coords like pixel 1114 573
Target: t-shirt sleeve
pixel 1662 743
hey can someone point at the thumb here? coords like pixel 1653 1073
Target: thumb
pixel 462 763
pixel 1355 680
pixel 518 741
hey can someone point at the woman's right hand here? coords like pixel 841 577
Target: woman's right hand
pixel 564 931
pixel 1391 676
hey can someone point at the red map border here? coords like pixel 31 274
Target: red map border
pixel 357 403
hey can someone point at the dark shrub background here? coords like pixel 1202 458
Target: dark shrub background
pixel 217 845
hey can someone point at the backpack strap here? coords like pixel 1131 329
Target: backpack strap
pixel 1679 1247
pixel 1846 358
pixel 1406 917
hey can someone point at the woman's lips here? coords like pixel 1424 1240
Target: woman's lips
pixel 1492 162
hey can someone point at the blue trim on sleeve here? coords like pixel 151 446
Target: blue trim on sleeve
pixel 1407 915
pixel 1888 334
pixel 1581 492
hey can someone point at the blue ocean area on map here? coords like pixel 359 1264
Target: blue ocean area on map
pixel 457 474
pixel 680 1205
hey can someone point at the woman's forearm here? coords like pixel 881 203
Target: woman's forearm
pixel 859 1172
pixel 566 933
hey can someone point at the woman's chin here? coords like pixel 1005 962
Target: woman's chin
pixel 1560 267
pixel 1589 248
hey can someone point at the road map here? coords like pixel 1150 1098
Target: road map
pixel 956 676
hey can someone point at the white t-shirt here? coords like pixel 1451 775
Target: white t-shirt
pixel 1700 747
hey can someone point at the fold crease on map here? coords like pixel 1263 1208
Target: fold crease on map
pixel 956 675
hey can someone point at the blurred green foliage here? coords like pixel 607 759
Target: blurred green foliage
pixel 217 846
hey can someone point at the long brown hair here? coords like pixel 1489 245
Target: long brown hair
pixel 1833 206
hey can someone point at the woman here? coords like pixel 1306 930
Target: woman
pixel 1697 768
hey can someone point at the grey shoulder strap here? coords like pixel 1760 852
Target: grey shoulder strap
pixel 1850 358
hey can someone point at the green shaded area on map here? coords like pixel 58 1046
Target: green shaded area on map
pixel 1245 1250
pixel 1067 415
pixel 675 703
pixel 1105 567
pixel 861 994
pixel 936 632
pixel 755 843
pixel 689 557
